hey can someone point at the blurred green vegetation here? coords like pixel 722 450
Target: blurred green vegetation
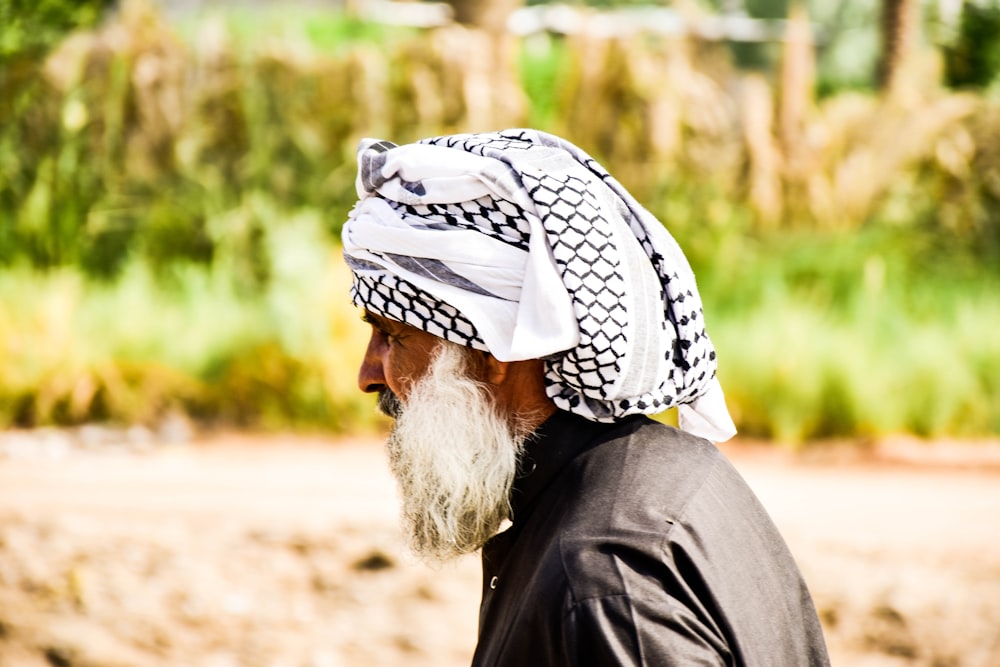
pixel 170 199
pixel 29 27
pixel 972 55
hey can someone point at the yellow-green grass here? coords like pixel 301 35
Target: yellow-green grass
pixel 73 349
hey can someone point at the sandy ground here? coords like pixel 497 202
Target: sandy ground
pixel 282 551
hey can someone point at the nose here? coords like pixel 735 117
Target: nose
pixel 371 375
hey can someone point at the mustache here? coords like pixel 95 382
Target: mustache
pixel 389 404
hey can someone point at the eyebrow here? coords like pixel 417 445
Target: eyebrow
pixel 375 321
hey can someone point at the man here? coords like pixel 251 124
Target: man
pixel 527 314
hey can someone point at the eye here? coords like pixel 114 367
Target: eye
pixel 390 338
pixel 380 329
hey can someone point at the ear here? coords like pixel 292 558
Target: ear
pixel 496 370
pixel 518 387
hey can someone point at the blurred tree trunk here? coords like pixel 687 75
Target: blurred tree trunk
pixel 900 22
pixel 796 98
pixel 798 75
pixel 489 15
pixel 495 94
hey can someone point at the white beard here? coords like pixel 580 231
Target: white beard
pixel 454 456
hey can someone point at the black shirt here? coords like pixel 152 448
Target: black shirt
pixel 634 543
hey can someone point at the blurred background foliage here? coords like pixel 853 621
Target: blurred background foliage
pixel 172 185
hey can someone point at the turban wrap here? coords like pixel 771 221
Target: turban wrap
pixel 519 243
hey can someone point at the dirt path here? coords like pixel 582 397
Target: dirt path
pixel 284 552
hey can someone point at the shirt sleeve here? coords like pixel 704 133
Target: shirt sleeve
pixel 621 630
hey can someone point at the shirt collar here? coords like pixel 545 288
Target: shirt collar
pixel 562 437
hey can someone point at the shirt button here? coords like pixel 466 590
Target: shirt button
pixel 493 582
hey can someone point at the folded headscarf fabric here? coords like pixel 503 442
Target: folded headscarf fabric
pixel 519 243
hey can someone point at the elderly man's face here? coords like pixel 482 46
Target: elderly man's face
pixel 397 356
pixel 452 451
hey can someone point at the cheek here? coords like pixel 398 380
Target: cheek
pixel 408 364
pixel 401 371
pixel 396 376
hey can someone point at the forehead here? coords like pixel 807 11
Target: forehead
pixel 388 326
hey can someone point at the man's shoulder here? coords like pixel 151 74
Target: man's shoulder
pixel 640 498
pixel 634 480
pixel 650 460
pixel 626 495
pixel 646 480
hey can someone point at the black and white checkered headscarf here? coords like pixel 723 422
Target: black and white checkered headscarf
pixel 519 243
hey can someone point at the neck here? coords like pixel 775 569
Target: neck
pixel 535 406
pixel 519 390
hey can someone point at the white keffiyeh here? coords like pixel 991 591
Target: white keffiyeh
pixel 519 243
